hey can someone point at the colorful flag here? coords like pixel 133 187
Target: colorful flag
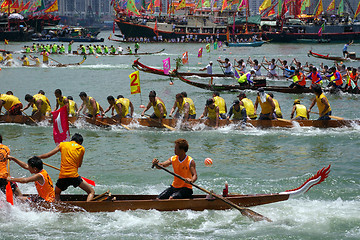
pixel 357 11
pixel 25 7
pixel 271 12
pixel 130 6
pixel 284 9
pixel 6 41
pixel 224 5
pixel 9 193
pixel 200 52
pixel 206 4
pixel 185 58
pixel 166 64
pixel 279 10
pixel 6 3
pixel 243 4
pixel 199 4
pixel 181 5
pixel 215 45
pixel 265 5
pixel 135 83
pixel 157 3
pixel 319 9
pixel 341 8
pixel 207 47
pixel 61 130
pixel 35 5
pixel 331 6
pixel 54 7
pixel 322 28
pixel 305 4
pixel 237 75
pixel 156 29
pixel 220 44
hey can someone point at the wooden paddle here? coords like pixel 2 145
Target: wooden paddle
pixel 55 61
pixel 330 116
pixel 163 124
pixel 124 126
pixel 89 181
pixel 244 211
pixel 29 117
pixel 284 120
pixel 96 120
pixel 9 192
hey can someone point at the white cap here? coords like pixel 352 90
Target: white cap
pixel 210 62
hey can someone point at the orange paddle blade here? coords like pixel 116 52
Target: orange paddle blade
pixel 9 194
pixel 89 181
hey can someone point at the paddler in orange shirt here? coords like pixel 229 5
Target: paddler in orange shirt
pixel 43 182
pixel 184 166
pixel 72 154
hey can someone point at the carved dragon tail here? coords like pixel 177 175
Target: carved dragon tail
pixel 318 178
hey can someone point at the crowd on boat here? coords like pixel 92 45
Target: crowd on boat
pixel 183 107
pixel 339 76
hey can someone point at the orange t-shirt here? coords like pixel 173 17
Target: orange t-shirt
pixel 182 169
pixel 46 191
pixel 72 155
pixel 4 153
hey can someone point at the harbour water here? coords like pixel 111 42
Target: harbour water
pixel 250 160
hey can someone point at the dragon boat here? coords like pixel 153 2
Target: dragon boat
pixel 245 44
pixel 352 57
pixel 107 202
pixel 121 54
pixel 178 124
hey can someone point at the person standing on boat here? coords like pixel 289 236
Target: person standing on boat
pixel 267 105
pixel 72 154
pixel 248 104
pixel 220 102
pixel 11 103
pixel 4 174
pixel 137 47
pixel 40 177
pixel 227 65
pixel 300 110
pixel 345 49
pixel 211 111
pixel 237 111
pixel 158 106
pixel 93 107
pixel 208 68
pixel 184 166
pixel 61 100
pixel 185 110
pixel 322 103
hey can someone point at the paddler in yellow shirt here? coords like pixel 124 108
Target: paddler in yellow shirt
pixel 277 106
pixel 40 177
pixel 11 103
pixel 121 106
pixel 24 60
pixel 158 106
pixel 72 154
pixel 211 111
pixel 322 103
pixel 72 107
pixel 248 104
pixel 39 104
pixel 93 107
pixel 220 102
pixel 185 110
pixel 300 110
pixel 61 100
pixel 267 105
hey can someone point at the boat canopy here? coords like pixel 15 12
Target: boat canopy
pixel 256 19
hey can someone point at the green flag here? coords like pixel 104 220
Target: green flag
pixel 132 8
pixel 341 8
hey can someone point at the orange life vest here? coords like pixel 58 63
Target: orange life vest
pixel 46 190
pixel 182 169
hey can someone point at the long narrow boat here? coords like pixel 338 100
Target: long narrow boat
pixel 245 44
pixel 121 54
pixel 333 58
pixel 61 64
pixel 189 124
pixel 142 67
pixel 71 203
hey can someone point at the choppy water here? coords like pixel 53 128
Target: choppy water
pixel 251 160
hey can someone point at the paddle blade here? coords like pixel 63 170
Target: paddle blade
pixel 9 194
pixel 256 217
pixel 89 181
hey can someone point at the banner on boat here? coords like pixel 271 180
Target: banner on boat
pixel 135 83
pixel 61 130
pixel 166 64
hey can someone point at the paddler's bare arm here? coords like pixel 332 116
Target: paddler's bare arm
pixel 36 177
pixel 20 163
pixel 161 110
pixel 312 105
pixel 49 154
pixel 327 105
pixel 166 163
pixel 147 108
pixel 172 110
pixel 193 172
pixel 131 109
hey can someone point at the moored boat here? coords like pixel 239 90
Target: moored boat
pixel 111 203
pixel 245 44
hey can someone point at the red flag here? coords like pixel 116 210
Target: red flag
pixel 9 194
pixel 185 58
pixel 156 29
pixel 61 125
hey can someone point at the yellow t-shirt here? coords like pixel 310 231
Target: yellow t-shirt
pixel 72 155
